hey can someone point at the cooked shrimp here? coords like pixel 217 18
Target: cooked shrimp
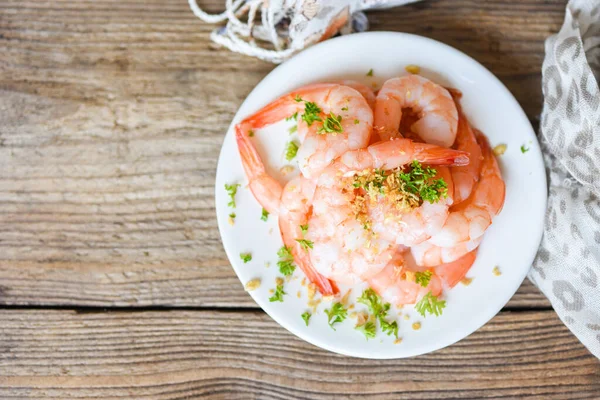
pixel 396 283
pixel 363 89
pixel 469 219
pixel 319 106
pixel 453 272
pixel 438 115
pixel 291 204
pixel 345 249
pixel 465 177
pixel 430 255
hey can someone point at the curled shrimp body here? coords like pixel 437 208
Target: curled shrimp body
pixel 453 272
pixel 352 116
pixel 363 89
pixel 468 220
pixel 433 104
pixel 345 248
pixel 291 204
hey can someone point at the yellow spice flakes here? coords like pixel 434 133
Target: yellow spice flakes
pixel 231 221
pixel 416 326
pixel 312 290
pixel 496 271
pixel 406 317
pixel 279 281
pixel 466 281
pixel 412 69
pixel 288 169
pixel 499 149
pixel 271 291
pixel 299 294
pixel 398 341
pixel 252 284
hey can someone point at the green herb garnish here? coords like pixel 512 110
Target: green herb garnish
pixel 306 244
pixel 418 182
pixel 332 124
pixel 379 309
pixel 265 215
pixel 286 261
pixel 370 73
pixel 311 113
pixel 304 229
pixel 389 328
pixel 336 314
pixel 291 151
pixel 250 133
pixel 430 304
pixel 345 108
pixel 524 149
pixel 423 278
pixel 278 295
pixel 231 191
pixel 306 317
pixel 293 129
pixel 246 257
pixel 356 122
pixel 368 329
pixel 294 116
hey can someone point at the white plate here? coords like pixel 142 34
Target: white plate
pixel 511 243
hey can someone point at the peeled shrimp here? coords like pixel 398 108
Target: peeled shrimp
pixel 398 225
pixel 433 104
pixel 318 150
pixel 344 250
pixel 394 285
pixel 469 220
pixel 363 89
pixel 453 272
pixel 292 205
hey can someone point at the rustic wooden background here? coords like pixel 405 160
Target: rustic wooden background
pixel 113 281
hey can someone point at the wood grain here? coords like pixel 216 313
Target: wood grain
pixel 225 355
pixel 113 113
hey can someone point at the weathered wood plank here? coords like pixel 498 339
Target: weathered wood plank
pixel 177 355
pixel 113 113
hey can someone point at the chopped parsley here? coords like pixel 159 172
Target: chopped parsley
pixel 336 314
pixel 291 150
pixel 286 261
pixel 524 149
pixel 304 229
pixel 356 122
pixel 306 244
pixel 250 133
pixel 370 73
pixel 232 215
pixel 265 215
pixel 376 180
pixel 418 182
pixel 311 112
pixel 368 329
pixel 293 117
pixel 389 328
pixel 379 309
pixel 345 108
pixel 278 295
pixel 246 257
pixel 306 317
pixel 430 304
pixel 293 129
pixel 332 124
pixel 231 191
pixel 423 278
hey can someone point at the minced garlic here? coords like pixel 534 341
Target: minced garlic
pixel 412 69
pixel 279 281
pixel 466 281
pixel 499 149
pixel 406 317
pixel 496 271
pixel 252 284
pixel 416 326
pixel 288 169
pixel 398 341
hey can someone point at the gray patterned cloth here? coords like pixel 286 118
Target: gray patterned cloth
pixel 567 267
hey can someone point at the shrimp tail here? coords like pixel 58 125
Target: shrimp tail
pixel 301 257
pixel 435 155
pixel 453 272
pixel 265 189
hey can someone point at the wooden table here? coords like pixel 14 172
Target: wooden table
pixel 113 281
